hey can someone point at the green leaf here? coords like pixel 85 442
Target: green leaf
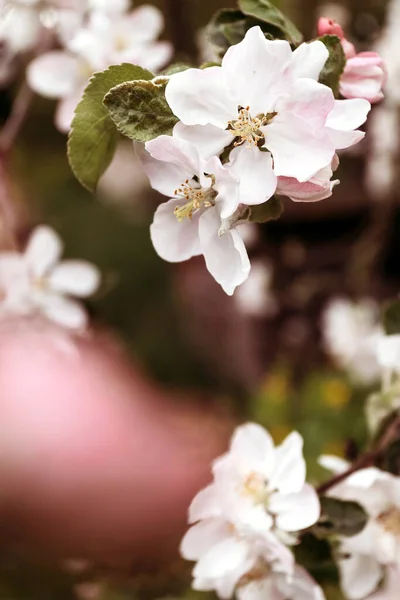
pixel 269 211
pixel 140 111
pixel 93 136
pixel 391 318
pixel 339 517
pixel 335 64
pixel 176 68
pixel 266 12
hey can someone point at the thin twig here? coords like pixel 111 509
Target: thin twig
pixel 15 121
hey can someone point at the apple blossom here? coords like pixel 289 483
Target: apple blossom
pixel 242 521
pixel 266 97
pixel 105 40
pixel 255 296
pixel 351 332
pixel 365 73
pixel 364 558
pixel 36 282
pixel 194 221
pixel 319 187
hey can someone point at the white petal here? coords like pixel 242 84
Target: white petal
pixel 226 184
pixel 152 57
pixel 348 114
pixel 309 59
pixel 253 70
pixel 226 556
pixel 360 575
pixel 344 139
pixel 54 74
pixel 290 468
pixel 299 586
pixel 296 511
pixel 66 109
pixel 254 170
pixel 209 140
pixel 254 446
pixel 65 312
pixel 43 250
pixel 199 97
pixel 260 589
pixel 75 277
pixel 200 538
pixel 388 352
pixel 144 24
pixel 333 463
pixel 174 240
pixel 205 504
pixel 226 257
pixel 169 162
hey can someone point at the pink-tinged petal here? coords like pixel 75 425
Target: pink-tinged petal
pixel 226 556
pixel 253 71
pixel 200 538
pixel 226 257
pixel 200 97
pixel 64 311
pixel 116 6
pixel 169 162
pixel 317 188
pixel 308 100
pixel 359 576
pixel 299 586
pixel 295 512
pixel 254 170
pixel 205 504
pixel 344 139
pixel 75 277
pixel 174 240
pixel 364 77
pixel 298 150
pixel 289 472
pixel 66 110
pixel 209 140
pixel 309 59
pixel 253 446
pixel 259 589
pixel 54 74
pixel 348 114
pixel 43 250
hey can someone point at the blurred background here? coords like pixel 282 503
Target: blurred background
pixel 191 361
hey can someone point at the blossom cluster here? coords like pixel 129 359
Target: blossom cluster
pixel 245 521
pixel 258 125
pixel 93 34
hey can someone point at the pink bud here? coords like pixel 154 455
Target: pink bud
pixel 364 77
pixel 329 27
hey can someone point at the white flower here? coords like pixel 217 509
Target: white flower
pixel 266 96
pixel 351 332
pixel 20 26
pixel 202 195
pixel 36 282
pixel 107 39
pixel 241 522
pixel 388 352
pixel 391 586
pixel 364 558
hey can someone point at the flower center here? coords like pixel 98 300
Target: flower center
pixel 257 487
pixel 260 570
pixel 196 197
pixel 247 129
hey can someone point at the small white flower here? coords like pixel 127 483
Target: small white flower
pixel 242 521
pixel 202 194
pixel 107 39
pixel 36 282
pixel 388 351
pixel 365 557
pixel 351 332
pixel 264 96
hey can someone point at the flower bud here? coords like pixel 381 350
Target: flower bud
pixel 364 76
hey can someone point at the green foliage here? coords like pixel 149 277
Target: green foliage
pixel 176 68
pixel 335 64
pixel 139 110
pixel 381 408
pixel 266 12
pixel 93 137
pixel 269 211
pixel 339 517
pixel 391 318
pixel 229 26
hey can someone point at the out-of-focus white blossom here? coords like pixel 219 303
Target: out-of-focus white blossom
pixel 255 296
pixel 36 282
pixel 351 332
pixel 364 559
pixel 106 39
pixel 243 521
